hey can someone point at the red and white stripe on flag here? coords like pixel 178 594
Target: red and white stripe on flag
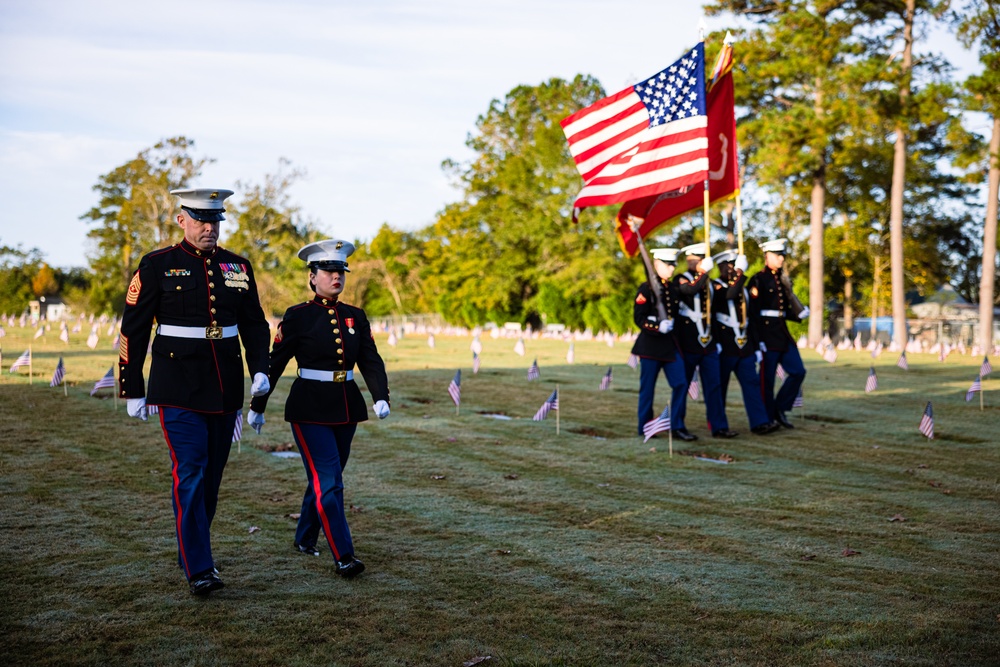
pixel 647 139
pixel 658 425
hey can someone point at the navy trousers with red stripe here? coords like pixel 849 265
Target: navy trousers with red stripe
pixel 325 450
pixel 199 445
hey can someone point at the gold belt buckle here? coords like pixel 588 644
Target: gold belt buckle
pixel 741 341
pixel 705 340
pixel 213 333
pixel 340 376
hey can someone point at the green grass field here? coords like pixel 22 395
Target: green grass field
pixel 851 540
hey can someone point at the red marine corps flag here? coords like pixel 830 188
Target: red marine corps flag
pixel 723 175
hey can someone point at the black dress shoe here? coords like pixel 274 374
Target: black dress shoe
pixel 724 433
pixel 350 567
pixel 765 429
pixel 683 434
pixel 206 583
pixel 306 549
pixel 783 420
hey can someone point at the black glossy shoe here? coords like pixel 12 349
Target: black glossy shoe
pixel 349 567
pixel 206 583
pixel 306 549
pixel 724 433
pixel 683 434
pixel 765 429
pixel 783 420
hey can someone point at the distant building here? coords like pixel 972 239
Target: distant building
pixel 51 308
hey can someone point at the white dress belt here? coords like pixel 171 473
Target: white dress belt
pixel 211 333
pixel 772 313
pixel 326 376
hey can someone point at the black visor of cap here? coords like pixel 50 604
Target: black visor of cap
pixel 205 214
pixel 332 265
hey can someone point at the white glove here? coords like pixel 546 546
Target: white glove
pixel 381 409
pixel 804 314
pixel 760 356
pixel 706 265
pixel 763 347
pixel 256 420
pixel 666 326
pixel 718 348
pixel 741 263
pixel 136 407
pixel 261 385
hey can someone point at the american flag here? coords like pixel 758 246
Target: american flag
pixel 106 382
pixel 830 355
pixel 658 425
pixel 647 139
pixel 606 380
pixel 475 363
pixel 3 332
pixel 430 341
pixel 92 339
pixel 902 363
pixel 64 333
pixel 59 375
pixel 23 360
pixel 455 388
pixel 799 401
pixel 694 389
pixel 533 373
pixel 392 338
pixel 39 333
pixel 633 361
pixel 977 385
pixel 780 373
pixel 551 403
pixel 238 427
pixel 872 383
pixel 519 347
pixel 570 354
pixel 986 368
pixel 116 342
pixel 927 422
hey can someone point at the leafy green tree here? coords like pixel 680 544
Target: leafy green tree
pixel 135 214
pixel 385 274
pixel 509 251
pixel 18 267
pixel 979 21
pixel 269 232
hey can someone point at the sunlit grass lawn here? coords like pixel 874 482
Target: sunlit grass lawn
pixel 490 537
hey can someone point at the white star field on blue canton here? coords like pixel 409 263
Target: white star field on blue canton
pixel 677 92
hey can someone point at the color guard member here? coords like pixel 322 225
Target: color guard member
pixel 201 296
pixel 694 335
pixel 655 345
pixel 327 338
pixel 731 328
pixel 772 305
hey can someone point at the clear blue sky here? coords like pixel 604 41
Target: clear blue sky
pixel 368 98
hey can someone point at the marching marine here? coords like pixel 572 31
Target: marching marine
pixel 655 345
pixel 201 298
pixel 772 305
pixel 731 328
pixel 694 335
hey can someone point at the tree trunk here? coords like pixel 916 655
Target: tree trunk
pixel 898 283
pixel 816 301
pixel 849 303
pixel 986 282
pixel 875 288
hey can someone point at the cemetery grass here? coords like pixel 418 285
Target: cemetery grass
pixel 850 540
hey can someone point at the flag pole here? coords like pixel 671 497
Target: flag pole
pixel 30 361
pixel 670 442
pixel 557 409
